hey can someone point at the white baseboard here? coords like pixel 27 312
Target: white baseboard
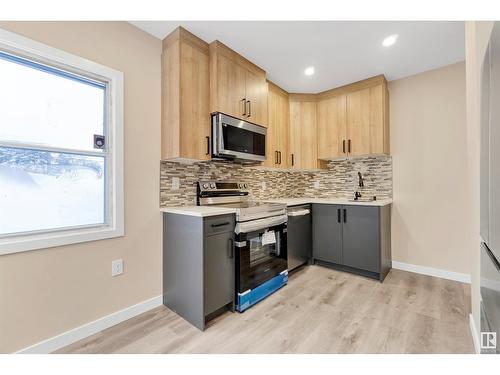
pixel 474 333
pixel 91 328
pixel 436 272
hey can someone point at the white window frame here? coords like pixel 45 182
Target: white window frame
pixel 114 227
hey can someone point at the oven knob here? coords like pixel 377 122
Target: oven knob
pixel 205 186
pixel 245 186
pixel 212 185
pixel 241 186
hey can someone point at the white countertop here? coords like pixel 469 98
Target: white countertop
pixel 204 211
pixel 298 201
pixel 201 211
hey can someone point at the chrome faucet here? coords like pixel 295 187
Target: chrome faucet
pixel 357 195
pixel 361 181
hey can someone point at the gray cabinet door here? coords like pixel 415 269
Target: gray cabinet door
pixel 327 233
pixel 361 238
pixel 218 271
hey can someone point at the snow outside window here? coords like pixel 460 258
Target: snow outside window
pixel 60 150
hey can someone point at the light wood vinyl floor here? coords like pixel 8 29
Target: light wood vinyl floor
pixel 320 311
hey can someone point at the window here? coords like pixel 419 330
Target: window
pixel 60 147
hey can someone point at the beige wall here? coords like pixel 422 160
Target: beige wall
pixel 428 143
pixel 46 292
pixel 477 35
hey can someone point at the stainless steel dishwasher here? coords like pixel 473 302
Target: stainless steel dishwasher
pixel 299 236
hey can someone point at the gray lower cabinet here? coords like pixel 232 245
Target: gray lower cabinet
pixel 218 271
pixel 353 238
pixel 327 232
pixel 198 266
pixel 360 238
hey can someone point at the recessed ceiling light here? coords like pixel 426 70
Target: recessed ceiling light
pixel 309 71
pixel 390 40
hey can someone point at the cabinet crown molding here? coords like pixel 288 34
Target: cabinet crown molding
pixel 351 87
pixel 218 47
pixel 181 34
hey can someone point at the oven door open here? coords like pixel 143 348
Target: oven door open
pixel 261 252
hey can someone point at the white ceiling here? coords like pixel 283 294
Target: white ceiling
pixel 341 51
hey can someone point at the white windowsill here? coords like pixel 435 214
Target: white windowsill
pixel 16 244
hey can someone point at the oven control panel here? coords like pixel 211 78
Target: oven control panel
pixel 222 186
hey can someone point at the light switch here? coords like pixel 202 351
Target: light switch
pixel 263 185
pixel 316 184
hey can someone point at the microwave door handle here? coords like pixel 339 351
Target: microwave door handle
pixel 220 138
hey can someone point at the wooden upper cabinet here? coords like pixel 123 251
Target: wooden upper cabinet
pixel 185 132
pixel 353 120
pixel 230 93
pixel 237 87
pixel 367 125
pixel 303 133
pixel 256 96
pixel 332 127
pixel 277 128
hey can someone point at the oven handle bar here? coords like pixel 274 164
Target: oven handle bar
pixel 253 225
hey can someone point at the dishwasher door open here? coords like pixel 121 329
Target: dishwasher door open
pixel 299 236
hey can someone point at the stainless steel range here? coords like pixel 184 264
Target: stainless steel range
pixel 260 240
pixel 236 195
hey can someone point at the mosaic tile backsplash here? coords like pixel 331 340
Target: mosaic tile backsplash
pixel 339 180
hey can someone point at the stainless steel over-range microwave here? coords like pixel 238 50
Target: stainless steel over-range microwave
pixel 236 139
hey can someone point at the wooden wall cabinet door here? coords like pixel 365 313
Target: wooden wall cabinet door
pixel 367 121
pixel 237 87
pixel 332 127
pixel 303 135
pixel 256 96
pixel 185 132
pixel 231 81
pixel 277 154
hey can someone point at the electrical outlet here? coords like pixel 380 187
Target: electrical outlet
pixel 117 267
pixel 316 184
pixel 263 185
pixel 176 184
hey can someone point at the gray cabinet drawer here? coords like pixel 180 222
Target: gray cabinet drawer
pixel 218 224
